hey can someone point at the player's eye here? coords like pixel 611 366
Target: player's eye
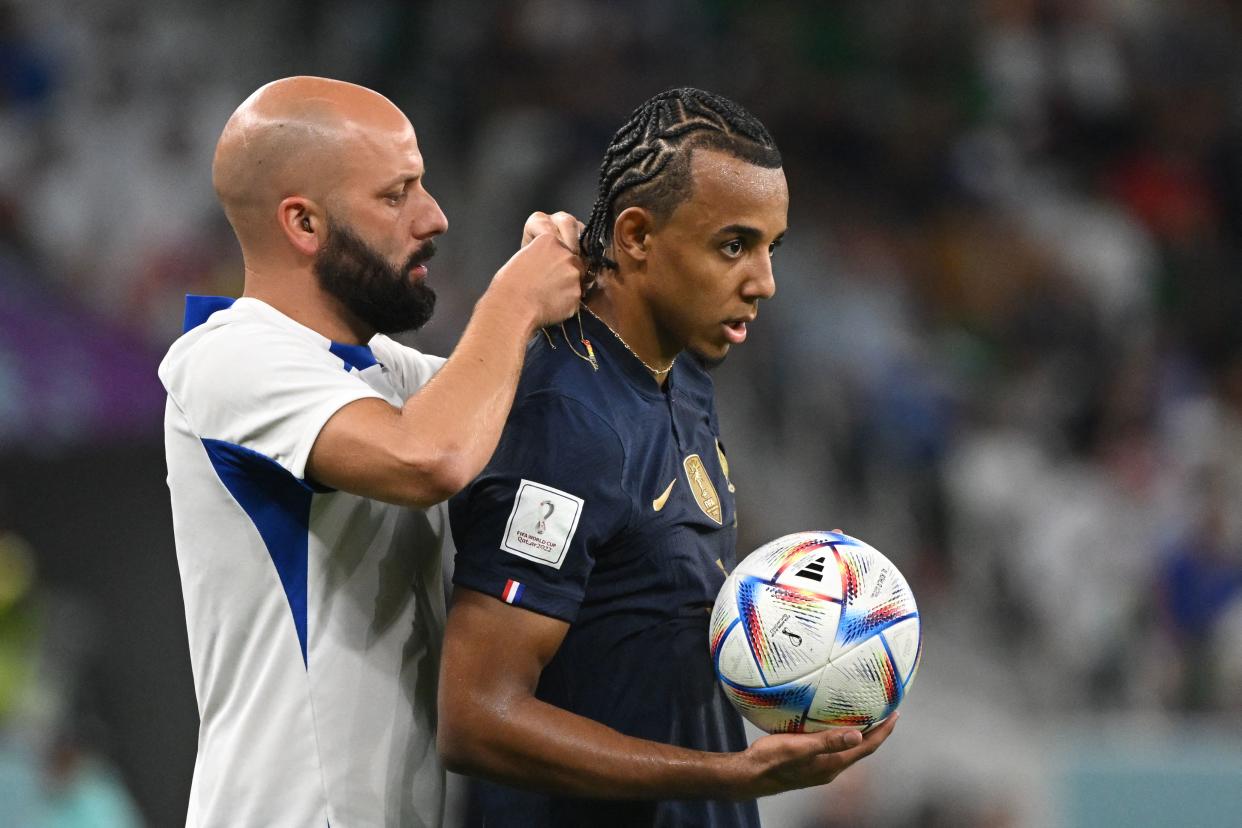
pixel 397 196
pixel 732 248
pixel 772 247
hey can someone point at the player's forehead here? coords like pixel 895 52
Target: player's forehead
pixel 727 190
pixel 380 156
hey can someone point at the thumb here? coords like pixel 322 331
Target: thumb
pixel 837 739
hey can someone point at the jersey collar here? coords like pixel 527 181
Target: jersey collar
pixel 198 309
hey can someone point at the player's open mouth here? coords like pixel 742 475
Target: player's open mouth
pixel 418 262
pixel 735 331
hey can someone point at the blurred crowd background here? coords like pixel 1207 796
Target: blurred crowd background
pixel 1006 349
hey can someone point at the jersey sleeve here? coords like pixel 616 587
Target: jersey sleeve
pixel 411 368
pixel 528 529
pixel 266 391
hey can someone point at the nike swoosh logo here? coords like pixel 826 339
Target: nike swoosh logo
pixel 659 502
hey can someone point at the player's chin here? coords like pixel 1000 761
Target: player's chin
pixel 709 353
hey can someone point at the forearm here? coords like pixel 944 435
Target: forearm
pixel 440 439
pixel 442 436
pixel 492 725
pixel 533 744
pixel 461 412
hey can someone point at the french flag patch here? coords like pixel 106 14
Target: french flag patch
pixel 513 591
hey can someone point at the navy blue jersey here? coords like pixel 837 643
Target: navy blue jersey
pixel 608 505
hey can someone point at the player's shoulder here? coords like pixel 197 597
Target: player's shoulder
pixel 412 367
pixel 237 340
pixel 555 377
pixel 558 417
pixel 247 323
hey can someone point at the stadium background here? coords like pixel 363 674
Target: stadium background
pixel 1004 350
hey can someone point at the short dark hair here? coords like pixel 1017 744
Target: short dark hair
pixel 647 164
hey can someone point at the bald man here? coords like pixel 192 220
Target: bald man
pixel 309 456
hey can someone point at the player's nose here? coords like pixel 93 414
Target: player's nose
pixel 761 283
pixel 429 219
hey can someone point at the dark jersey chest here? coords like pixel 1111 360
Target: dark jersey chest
pixel 672 555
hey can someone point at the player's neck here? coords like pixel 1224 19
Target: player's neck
pixel 297 295
pixel 632 321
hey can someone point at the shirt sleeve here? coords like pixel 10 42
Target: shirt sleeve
pixel 411 368
pixel 529 528
pixel 267 391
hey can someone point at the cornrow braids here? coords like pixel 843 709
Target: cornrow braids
pixel 647 164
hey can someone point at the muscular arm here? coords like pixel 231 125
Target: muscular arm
pixel 425 451
pixel 492 725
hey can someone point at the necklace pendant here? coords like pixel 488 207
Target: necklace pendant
pixel 591 354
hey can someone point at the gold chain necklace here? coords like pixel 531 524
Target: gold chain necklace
pixel 659 372
pixel 590 352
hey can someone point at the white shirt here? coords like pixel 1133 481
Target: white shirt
pixel 315 617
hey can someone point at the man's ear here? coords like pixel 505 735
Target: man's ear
pixel 302 223
pixel 630 233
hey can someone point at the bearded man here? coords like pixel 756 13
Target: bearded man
pixel 309 456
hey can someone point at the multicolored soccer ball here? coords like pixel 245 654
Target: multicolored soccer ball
pixel 816 630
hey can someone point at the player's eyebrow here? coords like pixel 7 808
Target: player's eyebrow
pixel 415 171
pixel 403 180
pixel 751 234
pixel 740 230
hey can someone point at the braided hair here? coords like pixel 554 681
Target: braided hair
pixel 647 164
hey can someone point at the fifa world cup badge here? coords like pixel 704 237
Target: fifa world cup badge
pixel 701 485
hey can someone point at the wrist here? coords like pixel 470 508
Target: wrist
pixel 730 776
pixel 753 774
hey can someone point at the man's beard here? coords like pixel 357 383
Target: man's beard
pixel 381 296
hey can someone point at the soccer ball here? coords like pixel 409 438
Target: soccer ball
pixel 815 630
